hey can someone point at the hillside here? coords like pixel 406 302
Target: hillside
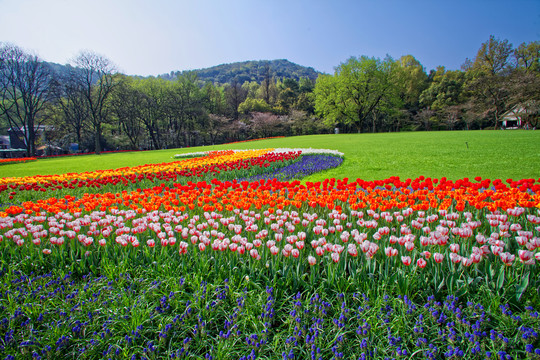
pixel 227 73
pixel 251 71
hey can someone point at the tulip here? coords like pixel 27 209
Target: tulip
pixel 507 258
pixel 406 260
pixel 335 257
pixel 438 257
pixel 421 263
pixel 525 255
pixel 150 242
pixel 455 258
pixel 409 245
pixel 351 249
pixel 312 260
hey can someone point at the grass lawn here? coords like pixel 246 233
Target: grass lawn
pixel 451 154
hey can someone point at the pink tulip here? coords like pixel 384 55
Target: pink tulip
pixel 438 257
pixel 525 255
pixel 455 258
pixel 454 248
pixel 47 251
pixel 335 257
pixel 150 242
pixel 421 263
pixel 312 260
pixel 241 250
pixel 351 249
pixel 406 260
pixel 507 258
pixel 409 245
pixel 388 251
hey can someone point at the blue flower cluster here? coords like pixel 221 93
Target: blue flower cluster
pixel 46 316
pixel 307 165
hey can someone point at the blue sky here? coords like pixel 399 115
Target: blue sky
pixel 158 36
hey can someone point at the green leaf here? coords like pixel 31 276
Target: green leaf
pixel 522 286
pixel 500 279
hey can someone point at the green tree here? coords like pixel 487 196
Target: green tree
pixel 487 79
pixel 528 56
pixel 445 89
pixel 358 88
pixel 411 80
pixel 253 105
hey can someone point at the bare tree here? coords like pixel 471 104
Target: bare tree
pixel 452 115
pixel 423 118
pixel 95 79
pixel 235 95
pixel 27 86
pixel 74 107
pixel 265 124
pixel 127 105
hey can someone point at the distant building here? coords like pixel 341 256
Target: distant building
pixel 521 116
pixel 17 135
pixel 4 142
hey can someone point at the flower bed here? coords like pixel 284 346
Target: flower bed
pixel 222 268
pixel 16 160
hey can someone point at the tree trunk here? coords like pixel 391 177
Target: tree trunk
pixel 98 139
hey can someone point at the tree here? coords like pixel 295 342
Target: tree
pixel 187 109
pixel 411 80
pixel 266 124
pixel 446 89
pixel 253 105
pixel 155 108
pixel 235 94
pixel 528 56
pixel 493 57
pixel 355 91
pixel 126 103
pixel 27 87
pixel 94 76
pixel 487 79
pixel 74 108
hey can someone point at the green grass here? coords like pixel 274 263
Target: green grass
pixel 452 154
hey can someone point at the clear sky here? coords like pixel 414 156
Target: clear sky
pixel 152 37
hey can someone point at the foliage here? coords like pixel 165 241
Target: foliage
pixel 358 89
pixel 251 71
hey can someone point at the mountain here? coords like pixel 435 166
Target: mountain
pixel 250 71
pixel 227 73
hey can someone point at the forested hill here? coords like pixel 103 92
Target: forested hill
pixel 251 71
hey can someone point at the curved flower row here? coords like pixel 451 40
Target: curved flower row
pixel 211 158
pixel 212 163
